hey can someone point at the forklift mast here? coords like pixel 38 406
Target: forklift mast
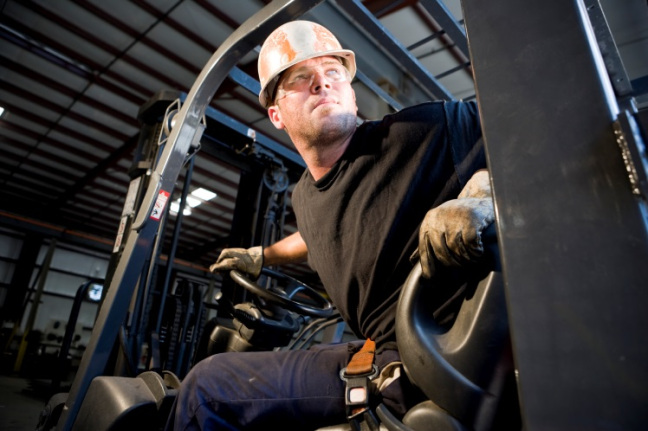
pixel 568 163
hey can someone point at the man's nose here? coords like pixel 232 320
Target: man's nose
pixel 319 80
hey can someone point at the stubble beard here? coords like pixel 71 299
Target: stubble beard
pixel 330 129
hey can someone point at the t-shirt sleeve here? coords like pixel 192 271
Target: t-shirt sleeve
pixel 466 141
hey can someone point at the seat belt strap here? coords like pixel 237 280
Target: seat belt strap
pixel 362 361
pixel 357 375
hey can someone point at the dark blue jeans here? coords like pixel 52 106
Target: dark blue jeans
pixel 288 390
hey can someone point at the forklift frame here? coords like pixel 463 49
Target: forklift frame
pixel 571 228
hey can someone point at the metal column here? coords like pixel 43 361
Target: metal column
pixel 572 233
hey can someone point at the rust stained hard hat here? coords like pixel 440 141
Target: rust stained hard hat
pixel 292 43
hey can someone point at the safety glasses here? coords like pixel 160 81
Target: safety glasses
pixel 303 77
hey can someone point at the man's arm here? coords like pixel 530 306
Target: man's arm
pixel 290 249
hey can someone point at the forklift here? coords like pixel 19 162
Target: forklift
pixel 561 318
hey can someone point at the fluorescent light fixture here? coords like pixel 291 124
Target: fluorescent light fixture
pixel 1 111
pixel 193 202
pixel 196 197
pixel 204 194
pixel 175 207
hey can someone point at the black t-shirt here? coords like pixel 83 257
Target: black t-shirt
pixel 361 220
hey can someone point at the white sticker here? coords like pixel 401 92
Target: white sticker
pixel 160 203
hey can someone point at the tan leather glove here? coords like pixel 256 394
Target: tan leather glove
pixel 478 186
pixel 248 260
pixel 452 232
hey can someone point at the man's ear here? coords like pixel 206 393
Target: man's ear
pixel 275 117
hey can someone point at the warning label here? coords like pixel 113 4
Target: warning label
pixel 120 233
pixel 160 203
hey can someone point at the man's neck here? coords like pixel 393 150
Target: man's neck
pixel 320 159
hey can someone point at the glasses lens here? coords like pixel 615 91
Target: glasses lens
pixel 302 78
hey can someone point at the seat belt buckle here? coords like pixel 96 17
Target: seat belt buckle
pixel 357 387
pixel 356 398
pixel 356 376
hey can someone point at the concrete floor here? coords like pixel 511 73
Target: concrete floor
pixel 21 401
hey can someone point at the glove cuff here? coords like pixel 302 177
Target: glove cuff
pixel 256 254
pixel 478 186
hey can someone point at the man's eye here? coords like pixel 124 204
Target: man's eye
pixel 299 78
pixel 336 74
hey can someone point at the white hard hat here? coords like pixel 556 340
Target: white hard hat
pixel 292 43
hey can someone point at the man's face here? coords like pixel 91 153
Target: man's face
pixel 315 100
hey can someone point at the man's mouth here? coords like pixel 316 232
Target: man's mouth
pixel 325 101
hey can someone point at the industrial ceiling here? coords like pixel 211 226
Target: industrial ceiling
pixel 76 74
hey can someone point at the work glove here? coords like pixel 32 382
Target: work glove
pixel 452 232
pixel 248 260
pixel 478 186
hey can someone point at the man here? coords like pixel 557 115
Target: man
pixel 363 208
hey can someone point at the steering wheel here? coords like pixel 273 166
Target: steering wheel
pixel 323 307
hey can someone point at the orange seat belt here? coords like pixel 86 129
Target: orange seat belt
pixel 362 361
pixel 357 375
